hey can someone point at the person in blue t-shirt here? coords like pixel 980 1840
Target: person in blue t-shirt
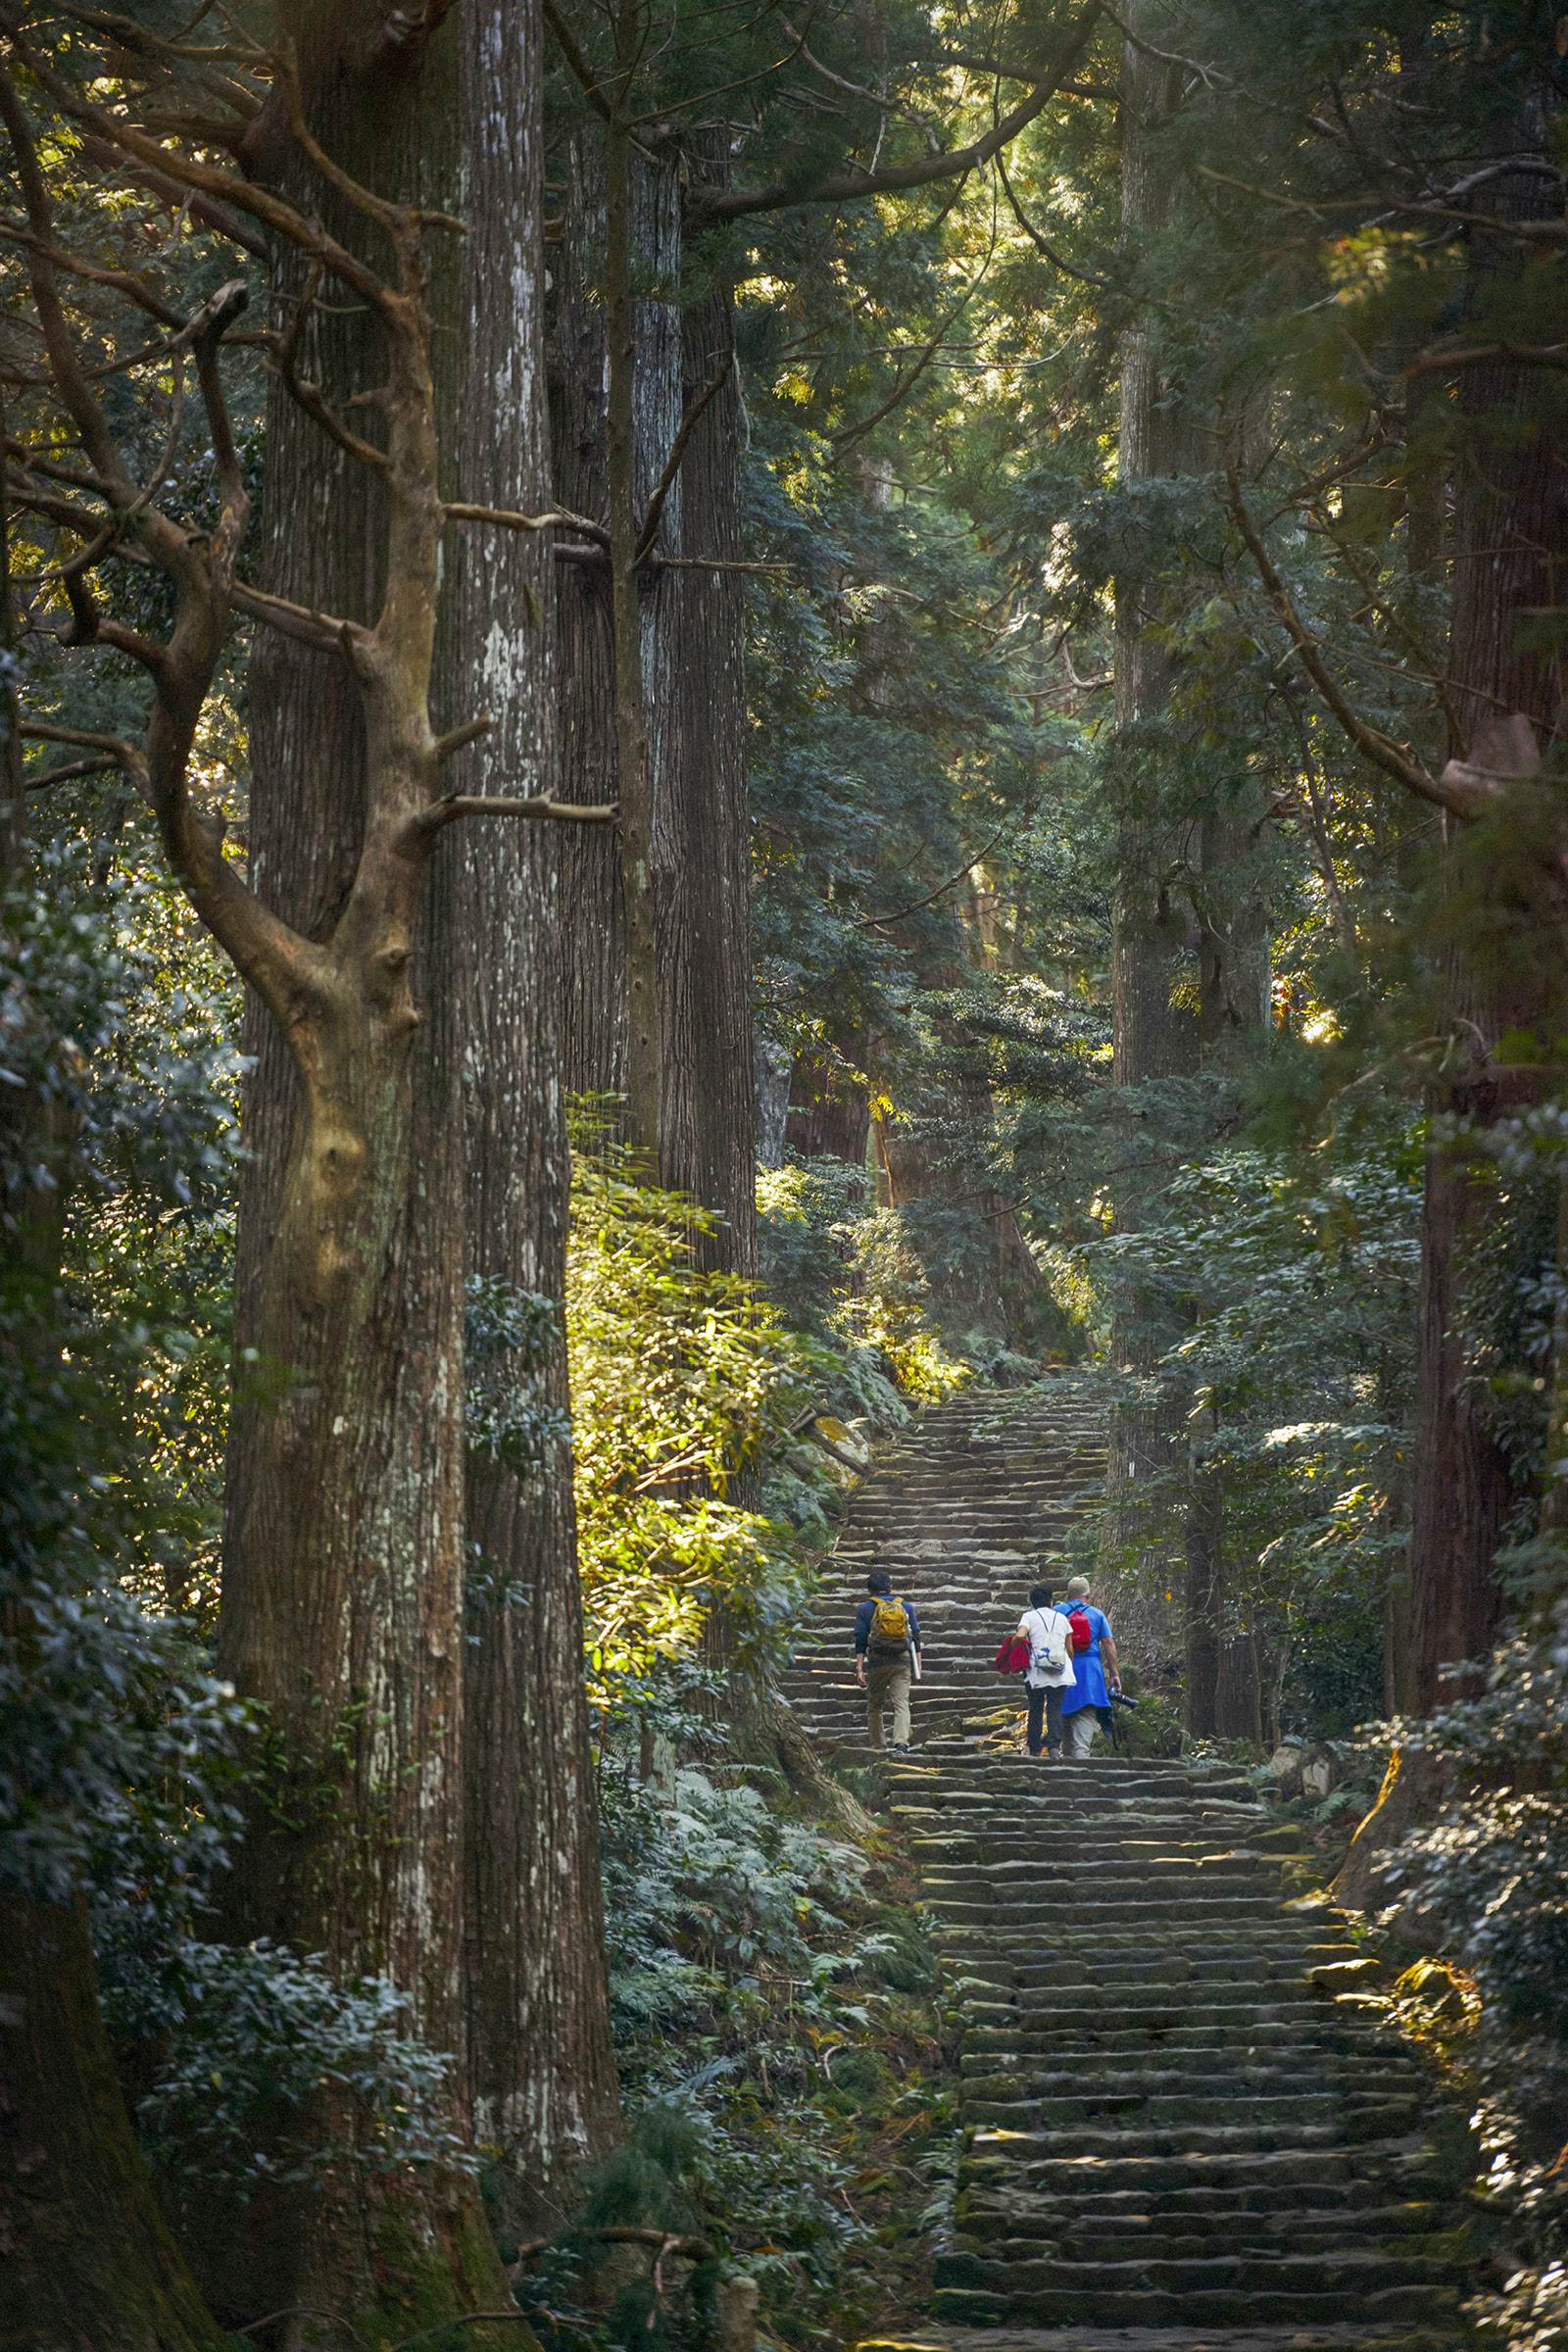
pixel 1095 1669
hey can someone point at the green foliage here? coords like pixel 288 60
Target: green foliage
pixel 685 1386
pixel 109 1720
pixel 851 1274
pixel 772 2018
pixel 1293 1289
pixel 250 2043
pixel 1489 1875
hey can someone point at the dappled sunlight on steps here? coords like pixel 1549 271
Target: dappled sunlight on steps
pixel 1187 2127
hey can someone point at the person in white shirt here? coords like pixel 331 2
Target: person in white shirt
pixel 1050 1674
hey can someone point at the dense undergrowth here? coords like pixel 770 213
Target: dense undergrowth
pixel 777 2021
pixel 774 1997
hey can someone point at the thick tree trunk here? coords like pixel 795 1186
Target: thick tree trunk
pixel 541 2070
pixel 595 969
pixel 593 947
pixel 1224 1699
pixel 829 1115
pixel 88 2258
pixel 342 1603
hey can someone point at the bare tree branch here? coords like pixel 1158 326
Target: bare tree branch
pixel 322 630
pixel 677 450
pixel 1395 758
pixel 456 806
pixel 507 519
pixel 878 922
pixel 850 187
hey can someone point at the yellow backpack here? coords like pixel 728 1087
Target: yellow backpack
pixel 890 1627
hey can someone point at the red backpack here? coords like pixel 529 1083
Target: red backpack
pixel 1083 1633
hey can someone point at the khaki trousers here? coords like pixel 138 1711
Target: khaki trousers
pixel 887 1687
pixel 1081 1729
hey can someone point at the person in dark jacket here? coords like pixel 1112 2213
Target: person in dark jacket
pixel 885 1655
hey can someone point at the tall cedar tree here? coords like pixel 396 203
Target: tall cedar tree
pixel 541 2070
pixel 342 1608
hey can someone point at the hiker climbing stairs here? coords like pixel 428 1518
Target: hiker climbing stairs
pixel 957 1510
pixel 1187 2125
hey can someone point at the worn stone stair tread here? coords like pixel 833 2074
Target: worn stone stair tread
pixel 1215 2307
pixel 1271 2270
pixel 1146 2339
pixel 1185 2216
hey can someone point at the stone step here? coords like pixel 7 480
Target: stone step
pixel 1128 1917
pixel 1180 2042
pixel 1412 2167
pixel 1271 2270
pixel 1051 1877
pixel 1219 2308
pixel 1232 2009
pixel 1120 1985
pixel 1353 2209
pixel 1113 2125
pixel 1224 2074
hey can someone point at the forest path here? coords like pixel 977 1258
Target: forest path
pixel 1186 2127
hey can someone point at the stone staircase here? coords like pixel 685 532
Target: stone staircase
pixel 958 1510
pixel 1177 2111
pixel 1186 2124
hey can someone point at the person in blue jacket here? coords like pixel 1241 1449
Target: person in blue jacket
pixel 1096 1671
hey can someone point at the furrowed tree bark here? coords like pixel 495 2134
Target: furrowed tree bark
pixel 342 1601
pixel 689 654
pixel 1226 1636
pixel 593 943
pixel 597 964
pixel 541 2069
pixel 644 1047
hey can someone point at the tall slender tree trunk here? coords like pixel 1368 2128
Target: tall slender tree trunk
pixel 1510 564
pixel 1153 941
pixel 1224 1639
pixel 593 944
pixel 541 2069
pixel 644 1040
pixel 690 654
pixel 701 837
pixel 342 1601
